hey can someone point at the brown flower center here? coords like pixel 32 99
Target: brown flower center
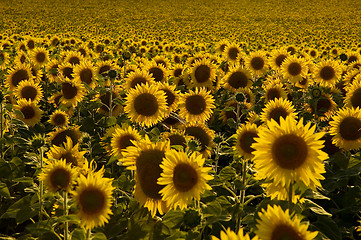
pixel 285 232
pixel 185 177
pixel 28 92
pixel 86 75
pixel 92 201
pixel 327 73
pixel 246 140
pixel 19 76
pixel 294 69
pixel 59 178
pixel 146 104
pixel 289 151
pixel 195 104
pixel 202 73
pixel 257 63
pixel 238 80
pixel 350 128
pixel 157 73
pixel 69 91
pixel 28 112
pixel 356 98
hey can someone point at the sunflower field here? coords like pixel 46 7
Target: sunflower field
pixel 166 120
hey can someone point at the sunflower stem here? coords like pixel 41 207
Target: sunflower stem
pixel 41 187
pixel 111 99
pixel 65 196
pixel 244 181
pixel 290 192
pixel 88 232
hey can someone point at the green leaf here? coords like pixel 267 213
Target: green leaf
pixel 69 218
pixel 99 236
pixel 328 227
pixel 227 173
pixel 316 208
pixel 21 210
pixel 231 123
pixel 173 218
pixel 4 191
pixel 111 121
pixel 78 234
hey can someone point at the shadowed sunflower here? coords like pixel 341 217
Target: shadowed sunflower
pixel 346 128
pixel 66 70
pixel 58 175
pixel 69 152
pixel 31 113
pixel 157 71
pixel 277 109
pixel 172 95
pixel 230 235
pixel 203 134
pixel 196 106
pixel 221 46
pixel 74 58
pixel 327 73
pixel 274 90
pixel 353 95
pixel 323 108
pixel 288 152
pixel 184 178
pixel 237 78
pixel 122 138
pixel 17 74
pixel 294 68
pixel 244 139
pixel 138 77
pixel 21 58
pixel 281 193
pixel 59 137
pixel 203 73
pixel 59 118
pixel 29 90
pixel 276 224
pixel 231 52
pixel 103 68
pixel 176 137
pixel 145 158
pixel 256 62
pixel 94 199
pixel 161 60
pixel 105 100
pixel 72 92
pixel 52 69
pixel 84 72
pixel 146 105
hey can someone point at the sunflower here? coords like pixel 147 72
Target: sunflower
pixel 157 71
pixel 74 58
pixel 138 77
pixel 21 58
pixel 31 113
pixel 274 90
pixel 146 104
pixel 351 76
pixel 277 109
pixel 162 60
pixel 281 193
pixel 294 68
pixel 122 138
pixel 176 137
pixel 288 152
pixel 103 68
pixel 237 78
pixel 58 176
pixel 30 43
pixel 353 95
pixel 230 235
pixel 72 92
pixel 146 157
pixel 29 90
pixel 278 56
pixel 184 178
pixel 203 73
pixel 196 106
pixel 256 62
pixel 17 74
pixel 59 137
pixel 4 60
pixel 39 56
pixel 85 73
pixel 244 139
pixel 274 223
pixel 221 46
pixel 66 70
pixel 231 52
pixel 105 100
pixel 327 73
pixel 59 118
pixel 172 95
pixel 37 73
pixel 231 111
pixel 323 108
pixel 69 152
pixel 203 134
pixel 94 198
pixel 346 128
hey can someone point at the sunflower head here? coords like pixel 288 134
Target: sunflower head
pixel 58 175
pixel 184 178
pixel 31 113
